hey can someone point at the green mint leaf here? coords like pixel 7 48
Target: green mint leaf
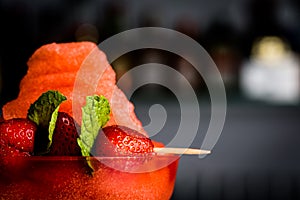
pixel 51 127
pixel 42 112
pixel 95 114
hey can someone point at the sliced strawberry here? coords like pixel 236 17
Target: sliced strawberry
pixel 17 136
pixel 121 140
pixel 64 140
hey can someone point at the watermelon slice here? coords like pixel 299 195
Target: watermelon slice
pixel 76 70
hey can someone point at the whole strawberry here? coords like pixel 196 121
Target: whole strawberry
pixel 17 137
pixel 121 140
pixel 64 140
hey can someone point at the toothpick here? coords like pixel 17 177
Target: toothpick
pixel 187 151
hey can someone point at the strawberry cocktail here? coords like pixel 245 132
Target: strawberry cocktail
pixel 64 140
pixel 69 178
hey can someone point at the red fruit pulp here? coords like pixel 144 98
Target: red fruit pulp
pixel 67 178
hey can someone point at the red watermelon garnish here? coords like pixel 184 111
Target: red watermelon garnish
pixel 56 66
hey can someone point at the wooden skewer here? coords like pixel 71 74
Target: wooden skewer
pixel 188 151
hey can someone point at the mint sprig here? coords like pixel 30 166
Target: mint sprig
pixel 95 114
pixel 44 113
pixel 52 125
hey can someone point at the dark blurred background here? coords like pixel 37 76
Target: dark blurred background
pixel 254 43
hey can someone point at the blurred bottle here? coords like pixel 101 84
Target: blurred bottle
pixel 222 40
pixel 272 72
pixel 228 60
